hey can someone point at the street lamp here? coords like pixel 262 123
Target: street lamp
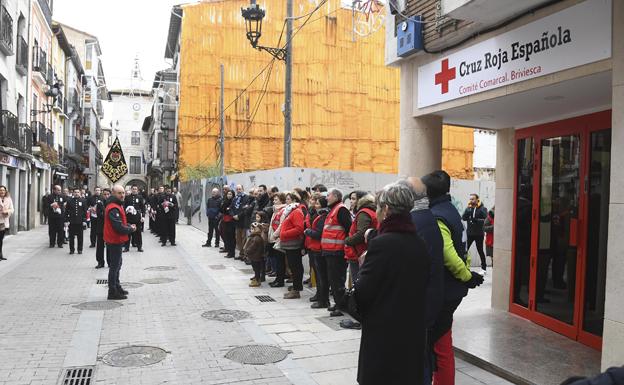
pixel 253 16
pixel 53 92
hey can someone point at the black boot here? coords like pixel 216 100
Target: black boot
pixel 121 290
pixel 114 294
pixel 207 244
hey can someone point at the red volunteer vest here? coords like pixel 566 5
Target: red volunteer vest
pixel 353 252
pixel 333 233
pixel 311 243
pixel 110 235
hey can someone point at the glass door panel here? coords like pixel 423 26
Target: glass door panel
pixel 597 185
pixel 558 227
pixel 524 202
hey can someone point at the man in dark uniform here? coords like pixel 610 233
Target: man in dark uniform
pixel 76 216
pixel 56 215
pixel 135 217
pixel 98 223
pixel 116 230
pixel 168 205
pixel 92 201
pixel 158 214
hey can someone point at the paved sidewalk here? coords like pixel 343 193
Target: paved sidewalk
pixel 41 333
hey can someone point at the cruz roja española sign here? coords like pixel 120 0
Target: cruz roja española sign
pixel 575 36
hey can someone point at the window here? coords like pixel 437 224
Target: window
pixel 136 138
pixel 135 165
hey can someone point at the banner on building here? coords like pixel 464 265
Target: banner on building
pixel 115 166
pixel 575 36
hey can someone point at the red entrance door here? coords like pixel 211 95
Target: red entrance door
pixel 560 225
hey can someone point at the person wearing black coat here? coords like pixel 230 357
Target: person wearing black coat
pixel 56 216
pixel 475 215
pixel 169 213
pixel 98 224
pixel 428 230
pixel 92 202
pixel 76 216
pixel 240 209
pixel 213 208
pixel 391 289
pixel 135 217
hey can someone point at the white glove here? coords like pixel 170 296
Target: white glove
pixel 166 209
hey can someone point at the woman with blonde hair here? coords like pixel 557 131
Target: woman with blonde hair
pixel 6 210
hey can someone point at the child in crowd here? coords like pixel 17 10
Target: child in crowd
pixel 254 250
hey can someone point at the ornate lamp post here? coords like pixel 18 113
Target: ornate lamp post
pixel 253 16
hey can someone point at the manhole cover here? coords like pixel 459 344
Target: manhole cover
pixel 131 285
pixel 217 267
pixel 257 354
pixel 158 280
pixel 160 268
pixel 226 315
pixel 98 305
pixel 134 356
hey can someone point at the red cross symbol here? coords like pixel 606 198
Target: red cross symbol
pixel 445 76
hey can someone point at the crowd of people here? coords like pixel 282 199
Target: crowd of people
pixel 70 212
pixel 400 255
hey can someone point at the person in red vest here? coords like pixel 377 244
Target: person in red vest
pixel 116 230
pixel 335 230
pixel 355 244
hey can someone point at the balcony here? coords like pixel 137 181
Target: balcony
pixel 6 32
pixel 75 148
pixel 60 105
pixel 39 132
pixel 40 66
pixel 21 61
pixel 26 138
pixel 9 130
pixel 99 108
pixel 50 75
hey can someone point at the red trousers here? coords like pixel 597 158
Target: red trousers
pixel 443 348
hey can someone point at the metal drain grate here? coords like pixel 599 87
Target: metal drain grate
pixel 102 281
pixel 217 267
pixel 257 354
pixel 265 298
pixel 78 376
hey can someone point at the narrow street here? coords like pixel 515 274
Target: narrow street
pixel 43 333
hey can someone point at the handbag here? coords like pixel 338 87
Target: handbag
pixel 351 304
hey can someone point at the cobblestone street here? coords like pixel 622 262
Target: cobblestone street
pixel 42 333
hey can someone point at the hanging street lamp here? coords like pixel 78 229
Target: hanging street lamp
pixel 253 16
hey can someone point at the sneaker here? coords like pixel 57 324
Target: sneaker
pixel 254 283
pixel 292 295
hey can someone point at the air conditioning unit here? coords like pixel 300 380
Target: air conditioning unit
pixel 409 36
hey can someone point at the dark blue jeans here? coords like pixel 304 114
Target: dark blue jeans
pixel 114 265
pixel 278 261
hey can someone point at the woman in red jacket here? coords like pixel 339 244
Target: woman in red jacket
pixel 291 240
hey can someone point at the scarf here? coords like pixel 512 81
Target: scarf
pixel 397 223
pixel 238 200
pixel 421 204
